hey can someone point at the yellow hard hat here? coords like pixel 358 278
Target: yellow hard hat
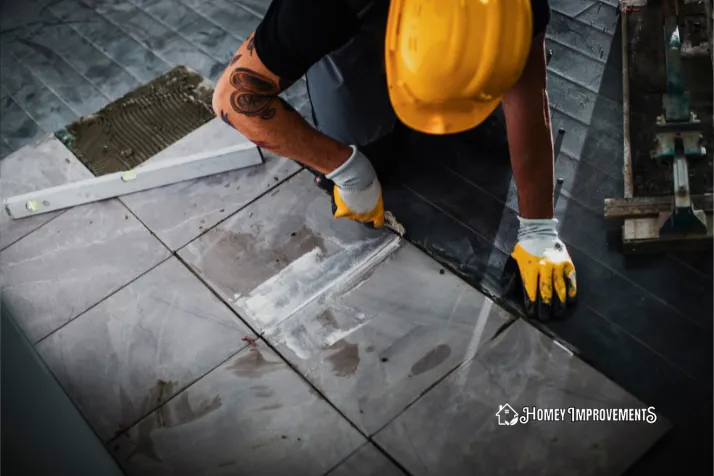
pixel 449 62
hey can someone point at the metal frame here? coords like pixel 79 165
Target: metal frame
pixel 647 220
pixel 144 177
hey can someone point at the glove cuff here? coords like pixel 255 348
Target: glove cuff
pixel 537 227
pixel 356 174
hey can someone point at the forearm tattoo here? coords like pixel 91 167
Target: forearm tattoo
pixel 255 94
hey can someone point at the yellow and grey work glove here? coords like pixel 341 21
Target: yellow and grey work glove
pixel 546 269
pixel 357 194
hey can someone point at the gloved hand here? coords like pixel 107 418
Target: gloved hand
pixel 357 194
pixel 546 269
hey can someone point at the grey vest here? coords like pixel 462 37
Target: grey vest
pixel 348 87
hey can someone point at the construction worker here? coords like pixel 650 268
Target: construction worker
pixel 427 66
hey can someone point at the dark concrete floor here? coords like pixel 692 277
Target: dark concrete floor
pixel 645 322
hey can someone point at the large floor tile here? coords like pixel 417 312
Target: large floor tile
pixel 98 68
pixel 17 127
pixel 57 74
pixel 253 416
pixel 167 44
pixel 283 251
pixel 179 213
pixel 46 163
pixel 73 262
pixel 141 62
pixel 454 428
pixel 367 461
pixel 40 103
pixel 137 349
pixel 374 344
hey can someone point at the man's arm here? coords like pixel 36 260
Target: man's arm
pixel 529 136
pixel 246 97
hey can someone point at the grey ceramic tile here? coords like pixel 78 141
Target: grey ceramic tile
pixel 17 17
pixel 44 106
pixel 179 213
pixel 570 8
pixel 123 358
pixel 58 75
pixel 252 415
pixel 367 461
pixel 193 26
pixel 580 104
pixel 166 43
pixel 73 262
pixel 591 144
pixel 282 251
pixel 5 150
pixel 601 16
pixel 16 127
pixel 212 38
pixel 579 35
pixel 258 7
pixel 374 343
pixel 171 13
pixel 103 72
pixel 230 17
pixel 454 429
pixel 45 164
pixel 141 62
pixel 575 66
pixel 11 79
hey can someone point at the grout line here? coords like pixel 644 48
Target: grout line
pixel 248 9
pixel 504 303
pixel 593 56
pixel 586 24
pixel 30 43
pixel 63 23
pixel 38 342
pixel 690 267
pixel 573 157
pixel 448 373
pixel 569 243
pixel 59 213
pixel 177 32
pixel 190 7
pixel 12 98
pixel 156 53
pixel 50 88
pixel 567 78
pixel 141 45
pixel 243 207
pixel 2 138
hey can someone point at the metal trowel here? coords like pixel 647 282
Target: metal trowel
pixel 390 221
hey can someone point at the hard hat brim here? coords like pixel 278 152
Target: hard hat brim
pixel 448 118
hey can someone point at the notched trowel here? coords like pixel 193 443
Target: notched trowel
pixel 390 221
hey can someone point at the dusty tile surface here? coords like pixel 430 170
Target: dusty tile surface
pixel 367 461
pixel 252 415
pixel 454 429
pixel 73 262
pixel 374 344
pixel 282 251
pixel 141 346
pixel 46 163
pixel 180 212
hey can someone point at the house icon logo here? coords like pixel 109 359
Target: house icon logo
pixel 506 415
